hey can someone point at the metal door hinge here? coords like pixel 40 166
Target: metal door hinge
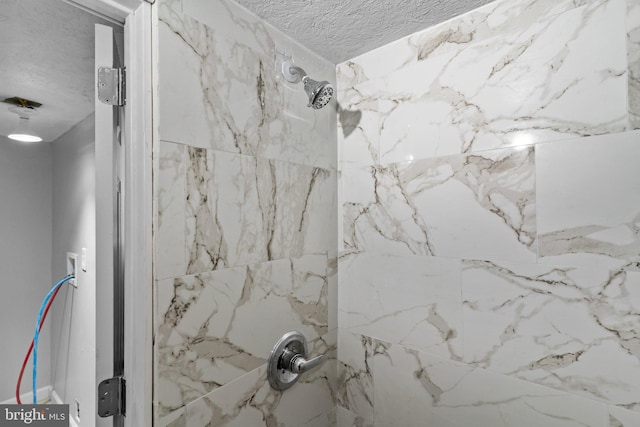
pixel 111 86
pixel 112 397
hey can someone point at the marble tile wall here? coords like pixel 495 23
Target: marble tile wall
pixel 633 54
pixel 488 222
pixel 245 225
pixel 520 91
pixel 490 191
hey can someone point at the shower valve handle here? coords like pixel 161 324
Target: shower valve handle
pixel 296 363
pixel 288 360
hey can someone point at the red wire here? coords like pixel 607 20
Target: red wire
pixel 26 359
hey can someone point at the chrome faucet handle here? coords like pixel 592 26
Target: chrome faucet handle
pixel 296 363
pixel 288 360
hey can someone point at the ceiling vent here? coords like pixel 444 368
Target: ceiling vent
pixel 21 102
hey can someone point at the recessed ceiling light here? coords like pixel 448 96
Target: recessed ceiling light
pixel 23 132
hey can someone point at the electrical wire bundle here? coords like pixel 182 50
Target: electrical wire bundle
pixel 42 315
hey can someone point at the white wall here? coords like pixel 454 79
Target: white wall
pixel 73 345
pixel 25 251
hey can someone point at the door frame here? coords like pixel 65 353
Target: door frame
pixel 138 202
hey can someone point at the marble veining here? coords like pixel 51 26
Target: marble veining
pixel 447 394
pixel 620 417
pixel 349 419
pixel 355 374
pixel 231 96
pixel 462 206
pixel 171 220
pixel 455 89
pixel 333 290
pixel 588 195
pixel 633 57
pixel 489 210
pixel 175 419
pixel 228 210
pixel 249 400
pixel 246 199
pixel 574 329
pixel 414 301
pixel 508 19
pixel 217 326
pixel 502 138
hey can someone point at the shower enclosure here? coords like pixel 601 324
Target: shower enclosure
pixel 456 233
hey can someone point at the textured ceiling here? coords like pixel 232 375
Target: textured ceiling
pixel 343 29
pixel 47 56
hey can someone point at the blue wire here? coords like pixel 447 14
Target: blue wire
pixel 36 335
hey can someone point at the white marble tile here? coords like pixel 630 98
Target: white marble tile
pixel 249 401
pixel 558 71
pixel 285 295
pixel 179 105
pixel 220 87
pixel 187 365
pixel 355 376
pixel 573 329
pixel 358 124
pixel 476 206
pixel 344 258
pixel 584 259
pixel 168 8
pixel 347 418
pixel 175 419
pixel 411 300
pixel 620 417
pixel 340 212
pixel 163 296
pixel 170 226
pixel 332 293
pixel 369 65
pixel 310 405
pixel 414 389
pixel 230 405
pixel 588 197
pixel 509 17
pixel 327 372
pixel 242 210
pixel 223 324
pixel 211 86
pixel 232 23
pixel 333 151
pixel 633 58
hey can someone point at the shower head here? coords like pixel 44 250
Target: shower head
pixel 319 93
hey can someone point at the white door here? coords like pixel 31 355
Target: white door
pixel 109 219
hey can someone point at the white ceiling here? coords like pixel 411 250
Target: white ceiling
pixel 47 45
pixel 47 57
pixel 343 29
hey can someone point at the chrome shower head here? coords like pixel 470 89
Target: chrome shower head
pixel 319 93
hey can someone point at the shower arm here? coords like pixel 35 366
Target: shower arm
pixel 293 73
pixel 318 92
